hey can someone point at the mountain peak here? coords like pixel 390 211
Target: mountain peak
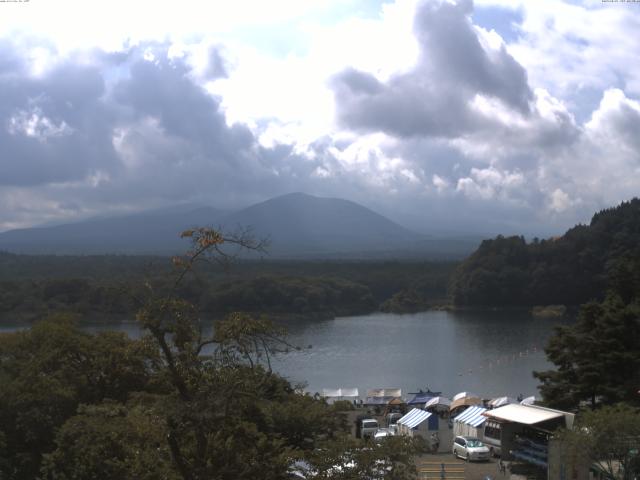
pixel 297 224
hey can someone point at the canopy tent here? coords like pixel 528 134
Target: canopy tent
pixel 460 395
pixel 465 402
pixel 438 403
pixel 525 414
pixel 422 397
pixel 382 396
pixel 528 401
pixel 418 423
pixel 470 422
pixel 335 394
pixel 384 392
pixel 501 401
pixel 414 418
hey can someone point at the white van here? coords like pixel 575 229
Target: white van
pixel 368 427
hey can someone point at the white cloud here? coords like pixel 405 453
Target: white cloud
pixel 33 123
pixel 239 100
pixel 560 201
pixel 489 183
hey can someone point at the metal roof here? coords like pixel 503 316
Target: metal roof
pixel 526 414
pixel 472 416
pixel 414 418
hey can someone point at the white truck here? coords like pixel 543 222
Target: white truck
pixel 368 427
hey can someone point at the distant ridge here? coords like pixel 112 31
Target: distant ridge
pixel 151 232
pixel 297 225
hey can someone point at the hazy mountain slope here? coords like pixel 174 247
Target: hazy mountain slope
pixel 156 231
pixel 301 224
pixel 297 225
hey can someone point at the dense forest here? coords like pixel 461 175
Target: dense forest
pixel 175 404
pixel 596 373
pixel 32 286
pixel 571 270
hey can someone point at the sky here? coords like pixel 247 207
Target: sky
pixel 487 117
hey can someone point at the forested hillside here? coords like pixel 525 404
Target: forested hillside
pixel 33 286
pixel 570 270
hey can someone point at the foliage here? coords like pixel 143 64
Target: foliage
pixel 175 404
pixel 46 372
pixel 348 459
pixel 571 269
pixel 111 441
pixel 597 359
pixel 608 437
pixel 291 295
pixel 31 287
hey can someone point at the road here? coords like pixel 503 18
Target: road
pixel 430 467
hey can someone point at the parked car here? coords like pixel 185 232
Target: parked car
pixel 392 418
pixel 470 448
pixel 383 433
pixel 392 421
pixel 368 427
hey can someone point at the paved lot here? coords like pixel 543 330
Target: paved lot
pixel 430 467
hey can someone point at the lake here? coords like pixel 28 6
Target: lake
pixel 488 353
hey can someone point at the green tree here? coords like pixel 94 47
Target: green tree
pixel 111 441
pixel 219 411
pixel 346 458
pixel 230 416
pixel 597 359
pixel 46 372
pixel 177 404
pixel 609 438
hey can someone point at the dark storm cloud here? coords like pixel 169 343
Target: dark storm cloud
pixel 163 90
pixel 177 144
pixel 433 99
pixel 126 130
pixel 55 127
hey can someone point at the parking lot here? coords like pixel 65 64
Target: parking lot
pixel 430 467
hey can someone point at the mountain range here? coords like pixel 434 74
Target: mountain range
pixel 296 225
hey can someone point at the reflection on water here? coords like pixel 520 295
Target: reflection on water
pixel 489 353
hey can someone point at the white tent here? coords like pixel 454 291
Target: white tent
pixel 335 394
pixel 382 396
pixel 470 422
pixel 529 400
pixel 501 401
pixel 438 403
pixel 384 392
pixel 414 423
pixel 460 395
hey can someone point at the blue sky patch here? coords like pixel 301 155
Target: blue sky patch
pixel 503 20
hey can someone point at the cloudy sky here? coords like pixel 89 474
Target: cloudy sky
pixel 491 116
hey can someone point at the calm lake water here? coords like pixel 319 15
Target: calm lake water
pixel 488 353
